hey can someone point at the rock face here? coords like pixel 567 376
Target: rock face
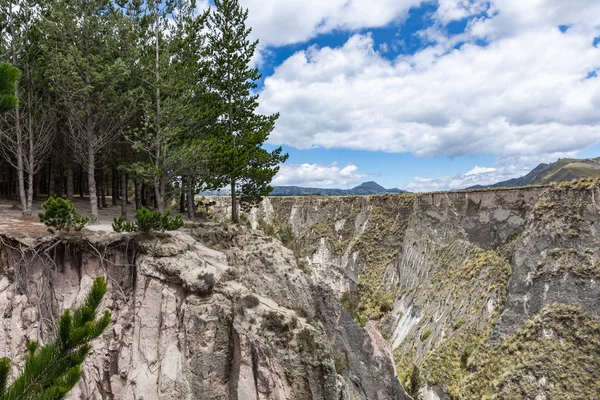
pixel 451 276
pixel 213 312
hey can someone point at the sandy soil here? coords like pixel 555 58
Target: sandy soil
pixel 12 221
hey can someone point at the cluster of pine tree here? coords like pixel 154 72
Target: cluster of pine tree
pixel 148 94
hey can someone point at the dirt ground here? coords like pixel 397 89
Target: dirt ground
pixel 11 220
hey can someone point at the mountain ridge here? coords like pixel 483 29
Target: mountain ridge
pixel 563 170
pixel 364 189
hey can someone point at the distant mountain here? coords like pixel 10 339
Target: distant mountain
pixel 564 170
pixel 364 189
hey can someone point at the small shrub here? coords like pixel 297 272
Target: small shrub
pixel 350 303
pixel 147 221
pixel 459 323
pixel 274 322
pixel 59 215
pixel 287 237
pixel 413 383
pixel 250 301
pixel 267 228
pixel 209 283
pixel 243 220
pixel 341 362
pixel 307 342
pixel 120 225
pixel 425 335
pixel 303 266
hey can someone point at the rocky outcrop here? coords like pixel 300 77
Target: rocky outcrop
pixel 213 312
pixel 448 276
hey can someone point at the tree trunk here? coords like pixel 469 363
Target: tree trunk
pixel 159 199
pixel 19 133
pixel 81 188
pixel 99 190
pixel 234 210
pixel 115 188
pixel 124 195
pixel 51 178
pixel 182 202
pixel 144 195
pixel 91 167
pixel 191 204
pixel 138 193
pixel 70 183
pixel 126 191
pixel 102 187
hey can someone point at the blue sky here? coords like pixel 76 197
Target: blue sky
pixel 427 95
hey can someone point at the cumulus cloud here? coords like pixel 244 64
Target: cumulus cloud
pixel 477 170
pixel 316 175
pixel 477 176
pixel 281 22
pixel 526 96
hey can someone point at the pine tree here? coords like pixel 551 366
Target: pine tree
pixel 51 371
pixel 238 158
pixel 9 76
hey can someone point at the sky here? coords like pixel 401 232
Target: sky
pixel 427 95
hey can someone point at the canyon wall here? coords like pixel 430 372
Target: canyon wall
pixel 455 281
pixel 210 312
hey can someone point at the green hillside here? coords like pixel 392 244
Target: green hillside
pixel 563 170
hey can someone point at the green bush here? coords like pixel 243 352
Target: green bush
pixel 59 215
pixel 267 228
pixel 287 237
pixel 425 335
pixel 120 225
pixel 341 362
pixel 147 221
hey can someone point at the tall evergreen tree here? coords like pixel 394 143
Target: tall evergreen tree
pixel 90 76
pixel 238 158
pixel 51 371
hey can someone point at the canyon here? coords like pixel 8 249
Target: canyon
pixel 473 294
pixel 471 289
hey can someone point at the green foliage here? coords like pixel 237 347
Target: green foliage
pixel 287 237
pixel 560 345
pixel 350 303
pixel 51 371
pixel 267 228
pixel 147 221
pixel 303 266
pixel 121 225
pixel 9 76
pixel 459 323
pixel 237 157
pixel 59 215
pixel 411 380
pixel 425 335
pixel 341 362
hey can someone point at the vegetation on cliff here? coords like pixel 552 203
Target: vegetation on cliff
pixel 556 355
pixel 51 371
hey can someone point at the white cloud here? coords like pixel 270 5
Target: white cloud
pixel 477 176
pixel 477 170
pixel 316 175
pixel 524 97
pixel 281 22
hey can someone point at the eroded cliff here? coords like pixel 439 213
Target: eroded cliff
pixel 455 281
pixel 212 312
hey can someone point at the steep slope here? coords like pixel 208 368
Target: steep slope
pixel 214 312
pixel 447 276
pixel 563 170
